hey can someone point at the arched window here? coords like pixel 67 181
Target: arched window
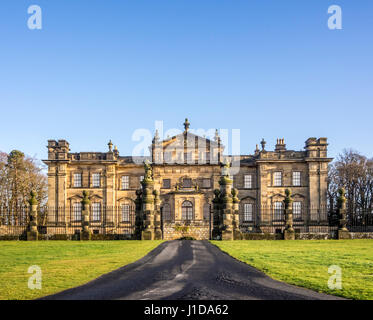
pixel 206 211
pixel 166 212
pixel 187 210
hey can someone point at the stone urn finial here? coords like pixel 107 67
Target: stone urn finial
pixel 263 143
pixel 110 144
pixel 33 201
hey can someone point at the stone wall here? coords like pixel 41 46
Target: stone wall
pixel 361 235
pixel 313 236
pixel 172 231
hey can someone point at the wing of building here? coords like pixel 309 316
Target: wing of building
pixel 186 170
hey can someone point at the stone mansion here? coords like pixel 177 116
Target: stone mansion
pixel 185 171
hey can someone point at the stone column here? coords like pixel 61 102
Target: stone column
pixel 343 232
pixel 289 232
pixel 139 221
pixel 148 204
pixel 157 216
pixel 216 230
pixel 226 203
pixel 237 234
pixel 32 230
pixel 85 234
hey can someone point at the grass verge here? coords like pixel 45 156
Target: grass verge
pixel 64 264
pixel 305 263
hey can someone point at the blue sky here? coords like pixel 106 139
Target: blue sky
pixel 99 70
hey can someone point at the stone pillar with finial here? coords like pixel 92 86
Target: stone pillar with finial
pixel 32 230
pixel 237 234
pixel 343 232
pixel 139 220
pixel 226 205
pixel 157 216
pixel 85 234
pixel 148 203
pixel 289 232
pixel 217 221
pixel 157 154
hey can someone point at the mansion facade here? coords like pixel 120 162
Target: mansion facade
pixel 185 171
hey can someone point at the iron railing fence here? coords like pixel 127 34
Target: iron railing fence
pixel 321 219
pixel 121 220
pixel 14 220
pixel 68 220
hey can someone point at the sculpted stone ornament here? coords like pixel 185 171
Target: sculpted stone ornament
pixel 225 173
pixel 85 201
pixel 343 232
pixel 148 171
pixel 32 233
pixel 186 125
pixel 85 234
pixel 289 232
pixel 225 168
pixel 288 200
pixel 341 200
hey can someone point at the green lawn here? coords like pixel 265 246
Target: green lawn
pixel 305 263
pixel 64 264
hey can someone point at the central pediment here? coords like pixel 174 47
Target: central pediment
pixel 187 147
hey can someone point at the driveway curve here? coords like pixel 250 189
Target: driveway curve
pixel 187 270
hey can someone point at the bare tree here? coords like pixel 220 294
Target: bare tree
pixel 354 172
pixel 19 175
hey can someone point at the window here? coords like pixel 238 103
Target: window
pixel 297 210
pixel 96 211
pixel 187 183
pixel 206 211
pixel 167 157
pixel 248 181
pixel 96 177
pixel 166 212
pixel 125 213
pixel 77 211
pixel 166 183
pixel 296 178
pixel 77 180
pixel 278 210
pixel 187 211
pixel 248 212
pixel 206 183
pixel 125 182
pixel 277 179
